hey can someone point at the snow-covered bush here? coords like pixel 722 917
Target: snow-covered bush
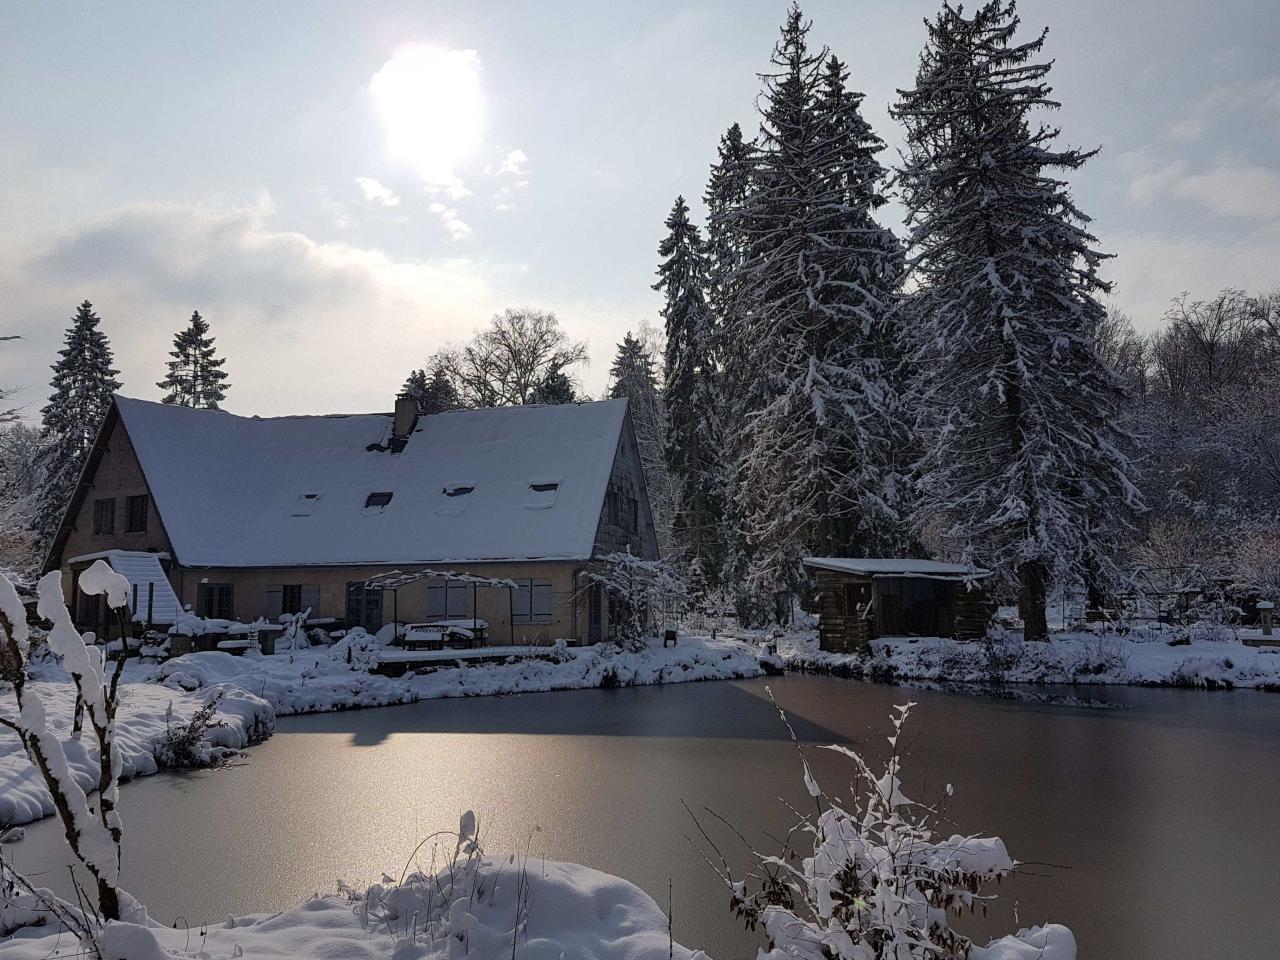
pixel 1099 655
pixel 186 746
pixel 358 649
pixel 437 901
pixel 879 883
pixel 1257 560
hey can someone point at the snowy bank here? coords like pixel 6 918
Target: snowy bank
pixel 480 908
pixel 339 677
pixel 1074 658
pixel 240 719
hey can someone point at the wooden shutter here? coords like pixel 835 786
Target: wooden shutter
pixel 541 606
pixel 275 601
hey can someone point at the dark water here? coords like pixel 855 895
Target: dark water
pixel 1154 830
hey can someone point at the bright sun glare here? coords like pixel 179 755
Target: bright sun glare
pixel 430 105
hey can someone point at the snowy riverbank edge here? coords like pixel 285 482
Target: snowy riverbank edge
pixel 338 678
pixel 255 690
pixel 1069 658
pixel 240 719
pixel 543 908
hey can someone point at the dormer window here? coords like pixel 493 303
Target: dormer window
pixel 376 502
pixel 457 497
pixel 541 494
pixel 305 505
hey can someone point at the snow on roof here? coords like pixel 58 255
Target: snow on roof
pixel 296 491
pixel 891 567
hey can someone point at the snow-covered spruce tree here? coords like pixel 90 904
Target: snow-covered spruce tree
pixel 632 376
pixel 728 187
pixel 810 297
pixel 692 449
pixel 195 377
pixel 556 387
pixel 83 382
pixel 434 394
pixel 1025 447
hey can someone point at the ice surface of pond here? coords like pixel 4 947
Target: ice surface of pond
pixel 1154 829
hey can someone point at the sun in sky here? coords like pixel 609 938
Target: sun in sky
pixel 429 102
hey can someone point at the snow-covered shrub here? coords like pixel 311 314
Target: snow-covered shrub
pixel 879 883
pixel 434 902
pixel 358 649
pixel 1257 559
pixel 1097 656
pixel 186 746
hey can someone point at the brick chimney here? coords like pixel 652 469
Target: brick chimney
pixel 405 420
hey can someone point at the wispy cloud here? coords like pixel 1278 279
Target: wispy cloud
pixel 376 192
pixel 456 227
pixel 343 323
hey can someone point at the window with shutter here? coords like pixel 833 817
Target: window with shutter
pixel 531 602
pixel 447 601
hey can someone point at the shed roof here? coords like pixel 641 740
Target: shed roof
pixel 897 567
pixel 509 483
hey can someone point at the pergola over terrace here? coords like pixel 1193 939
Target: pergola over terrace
pixel 395 580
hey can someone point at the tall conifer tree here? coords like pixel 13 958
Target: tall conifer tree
pixel 83 382
pixel 1025 448
pixel 810 293
pixel 693 451
pixel 195 377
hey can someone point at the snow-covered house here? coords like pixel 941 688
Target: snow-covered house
pixel 246 517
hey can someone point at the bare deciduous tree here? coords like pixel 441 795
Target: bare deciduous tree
pixel 509 362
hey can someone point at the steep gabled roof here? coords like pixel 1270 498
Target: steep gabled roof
pixel 510 483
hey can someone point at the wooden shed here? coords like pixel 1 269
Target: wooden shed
pixel 864 598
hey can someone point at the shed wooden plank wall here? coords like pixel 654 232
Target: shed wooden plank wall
pixel 838 631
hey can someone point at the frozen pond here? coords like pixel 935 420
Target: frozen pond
pixel 1155 829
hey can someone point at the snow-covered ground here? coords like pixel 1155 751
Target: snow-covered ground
pixel 1148 659
pixel 240 719
pixel 338 677
pixel 547 910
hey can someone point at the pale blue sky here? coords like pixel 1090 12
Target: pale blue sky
pixel 160 158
